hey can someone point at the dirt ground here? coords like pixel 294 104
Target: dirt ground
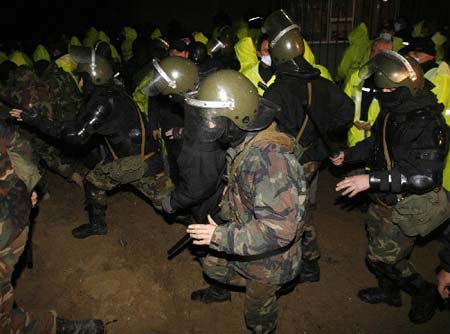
pixel 126 277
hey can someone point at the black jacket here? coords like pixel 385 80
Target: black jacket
pixel 331 109
pixel 445 253
pixel 416 137
pixel 112 113
pixel 202 166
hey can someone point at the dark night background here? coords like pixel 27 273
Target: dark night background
pixel 34 22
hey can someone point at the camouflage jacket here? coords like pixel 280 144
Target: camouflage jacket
pixel 266 197
pixel 15 204
pixel 24 87
pixel 67 100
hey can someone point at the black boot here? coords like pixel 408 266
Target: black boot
pixel 212 294
pixel 387 292
pixel 92 326
pixel 424 298
pixel 96 211
pixel 310 271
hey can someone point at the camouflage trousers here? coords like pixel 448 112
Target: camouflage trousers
pixel 310 246
pixel 16 320
pixel 261 307
pixel 130 170
pixel 387 243
pixel 52 157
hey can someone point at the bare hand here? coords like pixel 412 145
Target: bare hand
pixel 339 160
pixel 362 125
pixel 202 233
pixel 17 114
pixel 156 134
pixel 169 134
pixel 353 185
pixel 444 284
pixel 34 199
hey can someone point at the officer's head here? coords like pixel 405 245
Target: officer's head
pixel 263 51
pixel 397 78
pixel 91 65
pixel 285 39
pixel 172 75
pixel 225 108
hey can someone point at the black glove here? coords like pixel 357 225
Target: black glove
pixel 30 116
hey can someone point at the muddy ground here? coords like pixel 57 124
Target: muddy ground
pixel 125 275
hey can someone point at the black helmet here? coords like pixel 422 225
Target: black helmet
pixel 197 52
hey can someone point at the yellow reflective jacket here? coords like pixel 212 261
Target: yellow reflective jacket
pixel 3 57
pixel 439 41
pixel 353 88
pixel 200 37
pixel 440 77
pixel 140 98
pixel 20 59
pixel 156 34
pixel 311 59
pixel 41 53
pixel 68 65
pixel 102 36
pixel 397 43
pixel 246 53
pixel 417 29
pixel 74 41
pixel 242 30
pixel 356 54
pixel 252 73
pixel 127 44
pixel 91 37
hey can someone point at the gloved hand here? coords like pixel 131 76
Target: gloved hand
pixel 166 205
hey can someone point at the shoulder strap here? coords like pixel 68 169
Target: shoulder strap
pixel 305 120
pixel 385 147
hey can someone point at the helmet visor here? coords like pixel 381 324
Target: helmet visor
pixel 159 81
pixel 82 54
pixel 203 125
pixel 391 65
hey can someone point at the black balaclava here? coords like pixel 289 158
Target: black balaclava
pixel 396 98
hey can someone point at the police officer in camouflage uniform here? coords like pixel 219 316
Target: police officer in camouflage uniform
pixel 299 86
pixel 135 157
pixel 15 206
pixel 259 244
pixel 406 154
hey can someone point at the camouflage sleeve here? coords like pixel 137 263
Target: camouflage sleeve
pixel 279 193
pixel 22 159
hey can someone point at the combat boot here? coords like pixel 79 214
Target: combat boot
pixel 91 326
pixel 424 298
pixel 386 292
pixel 96 225
pixel 212 294
pixel 310 271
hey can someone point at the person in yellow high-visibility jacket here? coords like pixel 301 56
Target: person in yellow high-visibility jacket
pixel 261 74
pixel 356 54
pixel 246 53
pixel 102 36
pixel 362 94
